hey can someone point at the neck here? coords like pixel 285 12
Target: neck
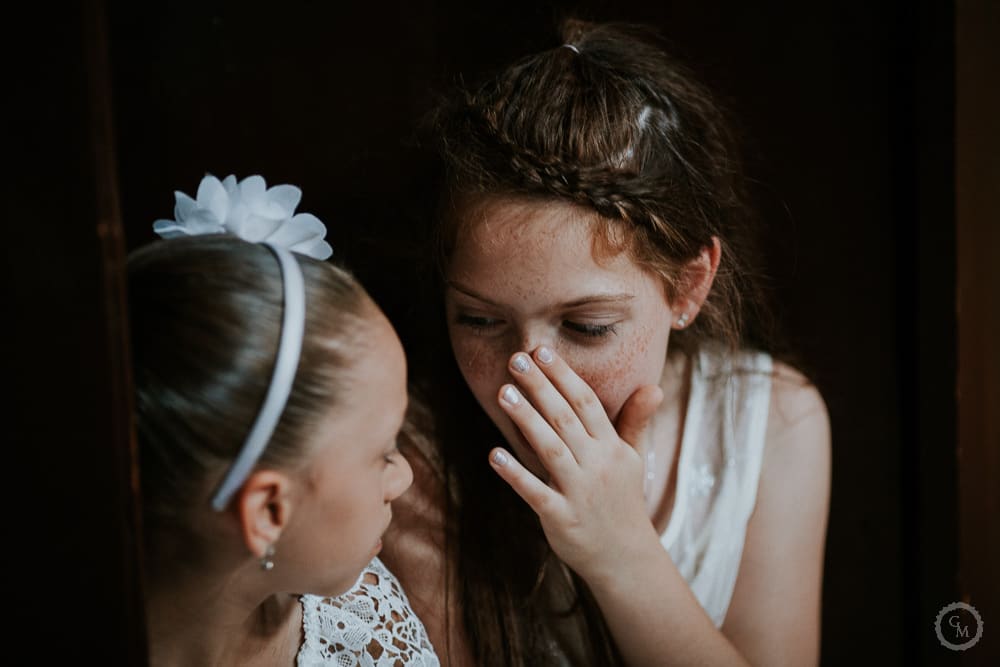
pixel 220 620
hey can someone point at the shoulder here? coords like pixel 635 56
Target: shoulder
pixel 796 433
pixel 797 439
pixel 794 487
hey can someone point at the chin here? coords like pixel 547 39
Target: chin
pixel 336 590
pixel 346 585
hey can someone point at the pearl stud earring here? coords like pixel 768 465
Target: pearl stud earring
pixel 267 562
pixel 682 321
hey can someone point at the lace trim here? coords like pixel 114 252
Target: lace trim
pixel 372 626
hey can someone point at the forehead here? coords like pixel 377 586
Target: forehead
pixel 375 396
pixel 527 241
pixel 380 368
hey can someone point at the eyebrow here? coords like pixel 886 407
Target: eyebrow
pixel 620 297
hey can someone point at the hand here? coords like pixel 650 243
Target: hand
pixel 592 510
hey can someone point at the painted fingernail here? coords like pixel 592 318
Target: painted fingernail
pixel 511 396
pixel 500 458
pixel 545 355
pixel 521 363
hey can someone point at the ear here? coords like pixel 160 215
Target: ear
pixel 699 274
pixel 264 507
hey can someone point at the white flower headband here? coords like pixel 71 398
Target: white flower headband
pixel 255 213
pixel 250 210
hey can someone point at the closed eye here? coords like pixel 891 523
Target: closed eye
pixel 592 330
pixel 478 323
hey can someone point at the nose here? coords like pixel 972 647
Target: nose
pixel 528 338
pixel 522 338
pixel 400 478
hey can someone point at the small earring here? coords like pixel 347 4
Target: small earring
pixel 682 321
pixel 267 562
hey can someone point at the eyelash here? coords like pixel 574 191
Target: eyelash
pixel 478 324
pixel 482 324
pixel 592 330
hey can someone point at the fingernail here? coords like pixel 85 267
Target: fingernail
pixel 545 355
pixel 500 458
pixel 521 363
pixel 511 396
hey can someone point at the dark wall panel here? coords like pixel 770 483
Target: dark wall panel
pixel 846 113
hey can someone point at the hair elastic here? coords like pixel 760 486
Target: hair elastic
pixel 572 48
pixel 293 324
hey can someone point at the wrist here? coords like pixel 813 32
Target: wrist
pixel 642 552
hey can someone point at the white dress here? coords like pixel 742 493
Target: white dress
pixel 721 450
pixel 722 444
pixel 372 625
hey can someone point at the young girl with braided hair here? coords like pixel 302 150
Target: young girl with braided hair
pixel 269 393
pixel 642 482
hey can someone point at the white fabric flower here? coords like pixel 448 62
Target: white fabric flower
pixel 250 210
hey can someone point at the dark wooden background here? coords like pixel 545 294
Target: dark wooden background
pixel 848 117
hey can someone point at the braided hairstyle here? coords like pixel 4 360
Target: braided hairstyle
pixel 616 125
pixel 611 123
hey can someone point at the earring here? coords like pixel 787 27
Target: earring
pixel 682 321
pixel 267 561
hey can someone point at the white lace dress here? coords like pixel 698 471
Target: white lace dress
pixel 372 625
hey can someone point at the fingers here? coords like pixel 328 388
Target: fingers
pixel 637 412
pixel 551 403
pixel 540 498
pixel 551 449
pixel 563 419
pixel 553 375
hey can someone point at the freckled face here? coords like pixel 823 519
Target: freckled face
pixel 524 274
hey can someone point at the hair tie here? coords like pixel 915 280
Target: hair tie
pixel 571 48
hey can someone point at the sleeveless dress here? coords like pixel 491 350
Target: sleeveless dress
pixel 721 451
pixel 372 625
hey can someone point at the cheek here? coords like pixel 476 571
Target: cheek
pixel 482 361
pixel 615 373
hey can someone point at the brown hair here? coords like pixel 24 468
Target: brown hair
pixel 624 130
pixel 205 316
pixel 615 125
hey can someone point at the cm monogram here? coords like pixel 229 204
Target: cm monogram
pixel 950 625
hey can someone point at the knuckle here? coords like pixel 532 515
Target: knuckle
pixel 572 523
pixel 543 504
pixel 551 453
pixel 564 419
pixel 621 452
pixel 585 402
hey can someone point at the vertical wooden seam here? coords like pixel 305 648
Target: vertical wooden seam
pixel 977 211
pixel 111 241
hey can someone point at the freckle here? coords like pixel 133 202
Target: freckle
pixel 617 376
